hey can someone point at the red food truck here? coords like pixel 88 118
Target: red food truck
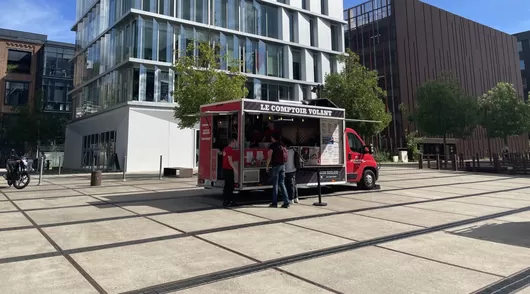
pixel 316 129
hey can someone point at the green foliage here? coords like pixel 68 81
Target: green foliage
pixel 199 81
pixel 413 140
pixel 382 156
pixel 32 124
pixel 503 114
pixel 443 109
pixel 356 90
pixel 11 67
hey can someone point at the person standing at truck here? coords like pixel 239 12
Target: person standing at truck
pixel 293 162
pixel 277 157
pixel 229 173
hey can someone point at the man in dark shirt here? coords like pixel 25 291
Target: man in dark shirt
pixel 229 173
pixel 275 159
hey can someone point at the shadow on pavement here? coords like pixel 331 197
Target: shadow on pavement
pixel 515 234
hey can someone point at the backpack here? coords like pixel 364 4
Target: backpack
pixel 280 155
pixel 285 154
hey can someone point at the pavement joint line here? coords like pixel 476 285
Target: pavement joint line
pixel 439 261
pixel 58 249
pixel 511 284
pixel 398 251
pixel 253 268
pixel 389 220
pixel 199 232
pixel 213 243
pixel 448 212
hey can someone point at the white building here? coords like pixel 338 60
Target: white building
pixel 124 78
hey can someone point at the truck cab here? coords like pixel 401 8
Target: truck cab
pixel 361 167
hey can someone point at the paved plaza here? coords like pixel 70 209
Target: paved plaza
pixel 423 232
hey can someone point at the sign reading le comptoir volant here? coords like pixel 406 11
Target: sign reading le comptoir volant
pixel 293 109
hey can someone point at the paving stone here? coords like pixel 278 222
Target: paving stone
pixel 355 227
pixel 23 242
pixel 273 241
pixel 65 215
pixel 57 202
pixel 44 275
pixel 106 232
pixel 414 216
pixel 490 257
pixel 375 270
pixel 139 266
pixel 12 220
pixel 207 219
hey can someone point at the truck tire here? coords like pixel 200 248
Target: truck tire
pixel 368 180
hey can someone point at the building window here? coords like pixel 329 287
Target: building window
pixel 274 60
pixel 333 64
pixel 335 37
pixel 522 65
pixel 297 65
pixel 316 63
pixel 16 93
pixel 57 62
pixel 305 4
pixel 292 28
pixel 269 21
pixel 312 32
pixel 324 7
pixel 519 46
pixel 19 61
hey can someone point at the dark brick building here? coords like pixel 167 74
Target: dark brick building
pixel 409 42
pixel 523 48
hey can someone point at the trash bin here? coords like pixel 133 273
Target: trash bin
pixel 95 178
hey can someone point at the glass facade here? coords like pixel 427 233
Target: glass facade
pixel 126 55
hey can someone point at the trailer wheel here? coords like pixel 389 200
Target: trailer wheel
pixel 368 180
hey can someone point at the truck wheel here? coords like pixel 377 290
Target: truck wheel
pixel 368 180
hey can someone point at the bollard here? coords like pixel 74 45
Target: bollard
pixel 94 164
pixel 160 170
pixel 124 167
pixel 95 178
pixel 455 162
pixel 59 165
pixel 420 162
pixel 474 164
pixel 478 161
pixel 41 168
pixel 438 163
pixel 496 163
pixel 428 162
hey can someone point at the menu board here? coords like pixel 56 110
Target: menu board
pixel 330 142
pixel 310 155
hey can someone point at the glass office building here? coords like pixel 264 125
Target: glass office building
pixel 126 48
pixel 124 76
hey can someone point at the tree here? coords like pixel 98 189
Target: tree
pixel 444 109
pixel 32 124
pixel 200 81
pixel 503 114
pixel 356 90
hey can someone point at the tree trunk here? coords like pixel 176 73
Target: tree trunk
pixel 445 150
pixel 490 152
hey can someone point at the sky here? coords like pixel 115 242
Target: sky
pixel 55 17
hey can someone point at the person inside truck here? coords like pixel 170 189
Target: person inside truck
pixel 267 135
pixel 229 173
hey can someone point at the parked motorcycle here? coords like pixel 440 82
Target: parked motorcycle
pixel 17 173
